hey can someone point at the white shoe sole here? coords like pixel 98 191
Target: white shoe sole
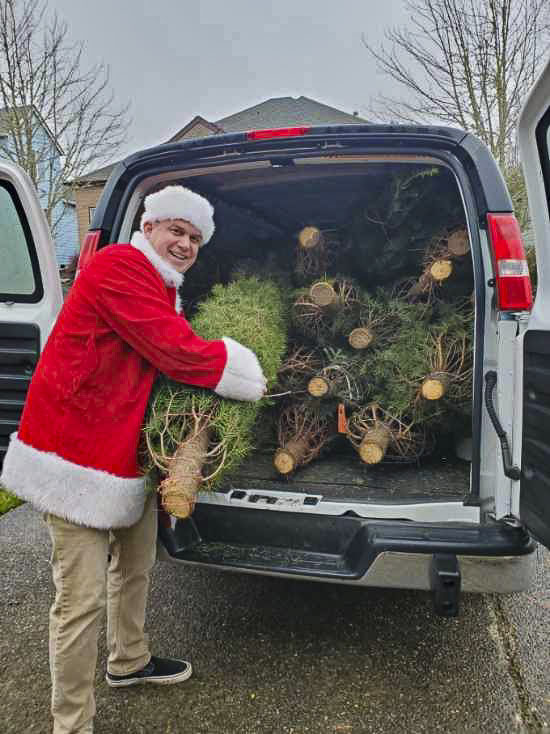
pixel 165 680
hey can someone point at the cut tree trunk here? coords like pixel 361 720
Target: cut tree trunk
pixel 310 237
pixel 374 445
pixel 360 338
pixel 179 490
pixel 459 243
pixel 440 270
pixel 323 294
pixel 319 387
pixel 290 456
pixel 435 385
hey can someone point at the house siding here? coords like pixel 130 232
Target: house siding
pixel 86 198
pixel 197 131
pixel 66 235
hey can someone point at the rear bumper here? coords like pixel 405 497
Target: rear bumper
pixel 350 550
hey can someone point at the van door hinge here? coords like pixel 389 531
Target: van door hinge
pixel 511 471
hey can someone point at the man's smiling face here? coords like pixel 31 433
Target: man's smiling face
pixel 175 240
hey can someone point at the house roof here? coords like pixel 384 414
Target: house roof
pixel 272 113
pixel 5 124
pixel 283 111
pixel 100 175
pixel 197 120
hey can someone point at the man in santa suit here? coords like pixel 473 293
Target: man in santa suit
pixel 75 454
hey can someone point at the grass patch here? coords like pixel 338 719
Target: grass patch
pixel 8 501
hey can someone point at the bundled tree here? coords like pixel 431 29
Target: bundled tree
pixel 43 82
pixel 388 230
pixel 316 251
pixel 300 365
pixel 339 378
pixel 303 432
pixel 380 436
pixel 424 364
pixel 447 273
pixel 193 436
pixel 450 358
pixel 377 320
pixel 316 310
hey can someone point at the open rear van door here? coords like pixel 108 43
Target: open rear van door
pixel 30 292
pixel 532 503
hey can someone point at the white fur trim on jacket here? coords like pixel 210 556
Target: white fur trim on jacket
pixel 169 274
pixel 242 378
pixel 177 202
pixel 79 494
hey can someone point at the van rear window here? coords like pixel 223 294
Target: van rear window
pixel 18 273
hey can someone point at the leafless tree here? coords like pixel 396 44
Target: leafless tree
pixel 467 63
pixel 44 85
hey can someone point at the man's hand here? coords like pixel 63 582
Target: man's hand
pixel 242 378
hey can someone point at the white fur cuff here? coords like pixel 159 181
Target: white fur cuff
pixel 242 378
pixel 79 494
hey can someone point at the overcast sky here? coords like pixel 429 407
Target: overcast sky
pixel 174 59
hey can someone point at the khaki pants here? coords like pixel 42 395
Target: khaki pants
pixel 85 583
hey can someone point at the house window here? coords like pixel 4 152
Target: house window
pixel 91 212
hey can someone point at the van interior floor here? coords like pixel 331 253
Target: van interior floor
pixel 339 477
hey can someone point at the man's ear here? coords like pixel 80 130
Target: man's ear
pixel 147 228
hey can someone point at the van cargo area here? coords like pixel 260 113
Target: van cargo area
pixel 407 204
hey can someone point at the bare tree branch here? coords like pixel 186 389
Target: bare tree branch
pixel 465 62
pixel 44 84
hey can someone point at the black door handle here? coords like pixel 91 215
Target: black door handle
pixel 511 471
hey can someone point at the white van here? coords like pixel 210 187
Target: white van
pixel 445 526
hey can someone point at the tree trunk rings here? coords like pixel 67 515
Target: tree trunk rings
pixel 310 237
pixel 322 294
pixel 286 459
pixel 374 445
pixel 318 387
pixel 435 385
pixel 360 338
pixel 441 270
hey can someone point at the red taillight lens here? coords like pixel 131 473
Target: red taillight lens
pixel 89 248
pixel 281 132
pixel 513 284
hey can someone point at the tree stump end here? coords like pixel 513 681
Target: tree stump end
pixel 310 237
pixel 318 387
pixel 360 338
pixel 322 294
pixel 441 270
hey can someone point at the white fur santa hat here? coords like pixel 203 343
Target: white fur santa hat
pixel 177 202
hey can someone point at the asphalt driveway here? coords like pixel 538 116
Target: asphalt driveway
pixel 281 656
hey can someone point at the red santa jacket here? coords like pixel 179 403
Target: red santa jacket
pixel 75 454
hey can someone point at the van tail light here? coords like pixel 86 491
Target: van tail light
pixel 88 249
pixel 281 132
pixel 513 284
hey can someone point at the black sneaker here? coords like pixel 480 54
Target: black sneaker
pixel 163 671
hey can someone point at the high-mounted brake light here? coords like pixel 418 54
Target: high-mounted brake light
pixel 88 249
pixel 281 132
pixel 512 279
